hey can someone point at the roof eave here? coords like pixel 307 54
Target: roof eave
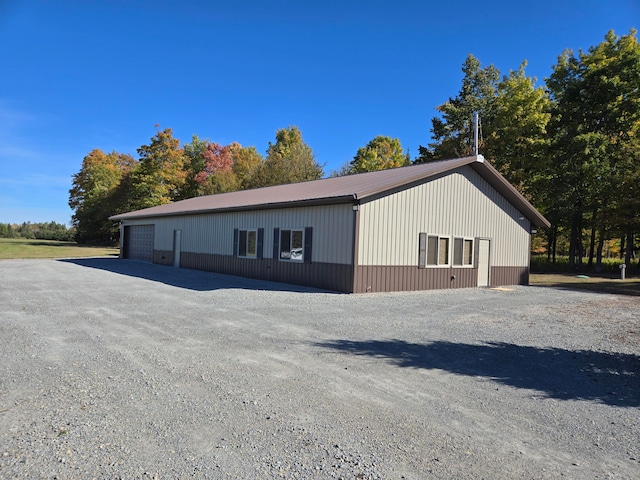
pixel 264 206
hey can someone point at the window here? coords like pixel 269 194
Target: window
pixel 462 252
pixel 433 250
pixel 443 251
pixel 247 243
pixel 291 245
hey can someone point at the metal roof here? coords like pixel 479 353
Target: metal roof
pixel 347 189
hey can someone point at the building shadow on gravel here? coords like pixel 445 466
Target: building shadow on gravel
pixel 608 378
pixel 183 277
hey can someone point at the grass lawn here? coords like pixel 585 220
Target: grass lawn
pixel 600 284
pixel 25 248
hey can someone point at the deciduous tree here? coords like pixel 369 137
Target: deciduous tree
pixel 245 162
pixel 595 130
pixel 213 168
pixel 516 144
pixel 194 164
pixel 380 153
pixel 289 160
pixel 160 175
pixel 94 197
pixel 217 175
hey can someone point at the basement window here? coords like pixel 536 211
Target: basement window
pixel 463 252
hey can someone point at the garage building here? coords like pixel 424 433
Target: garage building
pixel 448 224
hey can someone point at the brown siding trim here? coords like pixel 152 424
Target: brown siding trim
pixel 327 276
pixel 396 279
pixel 509 276
pixel 342 278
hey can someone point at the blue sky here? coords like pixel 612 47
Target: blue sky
pixel 78 75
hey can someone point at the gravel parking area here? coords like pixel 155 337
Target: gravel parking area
pixel 117 369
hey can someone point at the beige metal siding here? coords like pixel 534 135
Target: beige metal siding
pixel 458 204
pixel 213 233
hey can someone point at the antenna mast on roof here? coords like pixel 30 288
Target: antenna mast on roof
pixel 475 133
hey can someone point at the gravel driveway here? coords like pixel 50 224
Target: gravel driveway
pixel 117 369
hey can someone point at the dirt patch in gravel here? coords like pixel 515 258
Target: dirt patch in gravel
pixel 118 369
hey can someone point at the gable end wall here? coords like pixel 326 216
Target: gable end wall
pixel 458 204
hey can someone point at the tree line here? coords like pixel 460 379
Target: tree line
pixel 166 171
pixel 41 231
pixel 571 146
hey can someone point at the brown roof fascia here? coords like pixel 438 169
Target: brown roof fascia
pixel 264 206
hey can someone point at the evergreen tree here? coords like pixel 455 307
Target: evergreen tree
pixel 453 130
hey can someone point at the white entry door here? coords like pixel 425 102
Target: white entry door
pixel 484 249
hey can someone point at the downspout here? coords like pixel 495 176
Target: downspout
pixel 356 241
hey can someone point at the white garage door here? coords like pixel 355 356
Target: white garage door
pixel 139 242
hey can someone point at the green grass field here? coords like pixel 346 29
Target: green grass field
pixel 11 248
pixel 599 284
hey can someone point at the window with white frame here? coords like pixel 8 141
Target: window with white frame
pixel 463 252
pixel 434 250
pixel 292 245
pixel 247 243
